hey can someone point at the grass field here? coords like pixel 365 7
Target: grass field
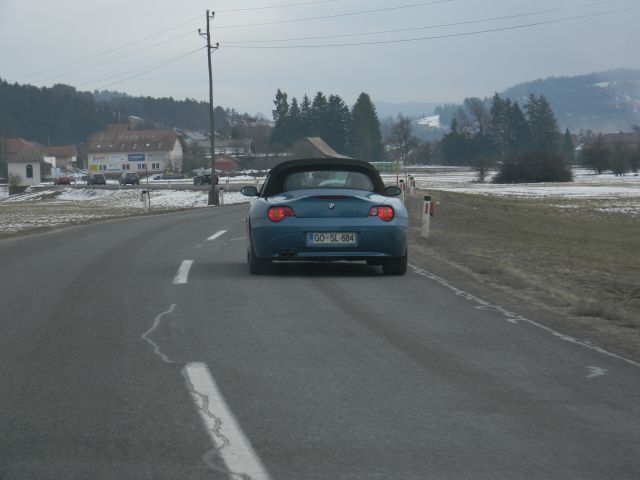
pixel 580 260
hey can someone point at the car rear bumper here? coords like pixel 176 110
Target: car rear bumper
pixel 288 240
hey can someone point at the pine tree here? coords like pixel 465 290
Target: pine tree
pixel 500 130
pixel 305 114
pixel 318 116
pixel 543 126
pixel 338 124
pixel 295 122
pixel 280 134
pixel 519 140
pixel 366 138
pixel 568 149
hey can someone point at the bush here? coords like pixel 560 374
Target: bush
pixel 534 167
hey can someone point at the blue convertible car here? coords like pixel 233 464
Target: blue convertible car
pixel 326 210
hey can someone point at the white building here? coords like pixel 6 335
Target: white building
pixel 119 149
pixel 24 161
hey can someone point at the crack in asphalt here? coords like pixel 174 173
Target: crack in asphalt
pixel 156 324
pixel 213 457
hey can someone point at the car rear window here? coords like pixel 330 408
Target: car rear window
pixel 301 180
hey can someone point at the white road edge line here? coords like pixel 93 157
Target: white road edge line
pixel 216 235
pixel 514 318
pixel 182 276
pixel 229 441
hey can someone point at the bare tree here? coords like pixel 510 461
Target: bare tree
pixel 404 140
pixel 473 117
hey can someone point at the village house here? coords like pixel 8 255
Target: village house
pixel 241 148
pixel 119 149
pixel 63 157
pixel 24 163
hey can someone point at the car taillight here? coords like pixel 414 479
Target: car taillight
pixel 383 213
pixel 277 214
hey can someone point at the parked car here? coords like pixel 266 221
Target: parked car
pixel 129 178
pixel 62 181
pixel 326 210
pixel 172 176
pixel 96 179
pixel 203 179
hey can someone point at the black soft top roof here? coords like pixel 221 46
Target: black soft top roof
pixel 280 171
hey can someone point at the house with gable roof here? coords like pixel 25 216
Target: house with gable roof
pixel 24 162
pixel 118 149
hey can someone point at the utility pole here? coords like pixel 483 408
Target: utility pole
pixel 214 196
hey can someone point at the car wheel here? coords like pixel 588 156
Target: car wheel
pixel 257 266
pixel 396 265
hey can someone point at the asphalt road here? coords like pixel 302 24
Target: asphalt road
pixel 139 349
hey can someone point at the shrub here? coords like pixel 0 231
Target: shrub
pixel 534 167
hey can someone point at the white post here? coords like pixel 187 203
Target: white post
pixel 426 216
pixel 221 196
pixel 403 186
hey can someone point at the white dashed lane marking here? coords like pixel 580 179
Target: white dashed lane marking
pixel 229 441
pixel 182 276
pixel 216 235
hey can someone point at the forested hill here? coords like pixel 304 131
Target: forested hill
pixel 62 115
pixel 187 114
pixel 606 101
pixel 57 115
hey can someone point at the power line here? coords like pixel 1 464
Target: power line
pixel 111 60
pixel 336 15
pixel 454 35
pixel 282 5
pixel 146 69
pixel 111 50
pixel 397 30
pixel 161 32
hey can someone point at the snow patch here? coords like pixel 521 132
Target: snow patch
pixel 432 121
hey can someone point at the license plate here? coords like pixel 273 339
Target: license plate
pixel 331 238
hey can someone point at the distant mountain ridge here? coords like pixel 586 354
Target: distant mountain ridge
pixel 605 101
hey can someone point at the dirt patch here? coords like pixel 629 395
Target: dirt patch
pixel 575 269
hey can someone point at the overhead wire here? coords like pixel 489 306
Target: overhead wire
pixel 111 60
pixel 282 5
pixel 335 15
pixel 161 32
pixel 94 65
pixel 146 69
pixel 410 29
pixel 434 37
pixel 111 50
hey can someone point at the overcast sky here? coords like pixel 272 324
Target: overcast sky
pixel 38 38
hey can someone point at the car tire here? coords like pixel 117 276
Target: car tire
pixel 396 265
pixel 257 266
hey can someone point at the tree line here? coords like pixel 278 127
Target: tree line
pixel 525 142
pixel 616 153
pixel 62 115
pixel 57 115
pixel 354 131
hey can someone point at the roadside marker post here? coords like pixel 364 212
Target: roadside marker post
pixel 427 213
pixel 402 189
pixel 221 201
